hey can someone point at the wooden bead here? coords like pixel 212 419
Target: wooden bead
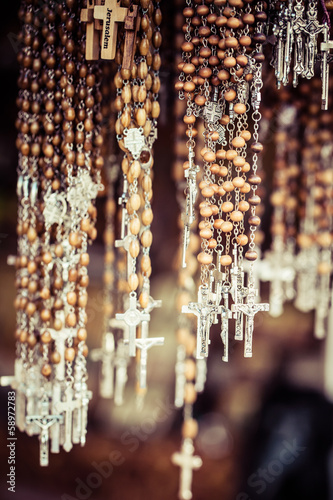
pixel 246 167
pixel 190 428
pixel 206 233
pixel 84 259
pixel 221 154
pixel 238 182
pixel 236 216
pixel 46 370
pixel 229 62
pixel 190 393
pixel 82 334
pixel 46 337
pixel 71 298
pixel 71 320
pixel 254 200
pixel 30 309
pixel 245 41
pixel 239 161
pixel 227 206
pixel 225 260
pixel 239 108
pixel 227 227
pixel 246 134
pixel 243 206
pixel 32 234
pixel 251 255
pixel 134 225
pixel 212 243
pixel 70 354
pixel 207 192
pixel 228 186
pixel 206 211
pixel 242 240
pixel 254 220
pixel 55 358
pixel 134 248
pixel 57 324
pixel 223 75
pixel 254 179
pixel 190 369
pixel 233 22
pixel 205 258
pixel 147 216
pixel 73 239
pixel 238 142
pixel 133 282
pixel 146 238
pixel 231 154
pixel 135 202
pixel 231 42
pixel 230 95
pixel 45 315
pixel 45 293
pixel 209 156
pixel 246 188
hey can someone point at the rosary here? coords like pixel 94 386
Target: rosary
pixel 87 126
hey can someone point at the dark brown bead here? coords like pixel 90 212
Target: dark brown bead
pixel 259 57
pixel 254 179
pixel 251 255
pixel 257 147
pixel 254 220
pixel 259 38
pixel 254 200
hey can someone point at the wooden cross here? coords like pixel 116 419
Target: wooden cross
pixel 132 25
pixel 44 422
pixel 110 14
pixel 144 344
pixel 68 406
pixel 187 463
pixel 92 35
pixel 106 355
pixel 133 317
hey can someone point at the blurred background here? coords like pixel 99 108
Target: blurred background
pixel 265 424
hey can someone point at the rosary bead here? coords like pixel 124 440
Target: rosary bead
pixel 135 201
pixel 254 220
pixel 145 263
pixel 229 62
pixel 84 259
pixel 242 240
pixel 246 134
pixel 236 216
pixel 134 226
pixel 134 248
pixel 30 308
pixel 231 42
pixel 251 255
pixel 228 186
pixel 239 161
pixel 254 179
pixel 230 95
pixel 133 282
pixel 46 337
pixel 227 227
pixel 71 320
pixel 147 216
pixel 69 354
pixel 231 154
pixel 83 299
pixel 205 258
pixel 206 233
pixel 246 188
pixel 238 182
pixel 144 299
pixel 209 156
pixel 257 147
pixel 55 358
pixel 240 108
pixel 245 41
pixel 46 370
pixel 255 200
pixel 238 142
pixel 146 238
pixel 227 206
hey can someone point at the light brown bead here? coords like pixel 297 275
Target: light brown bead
pixel 146 238
pixel 84 259
pixel 55 357
pixel 236 216
pixel 230 95
pixel 190 395
pixel 145 263
pixel 251 255
pixel 239 108
pixel 227 206
pixel 190 428
pixel 46 337
pixel 134 226
pixel 190 369
pixel 135 201
pixel 238 142
pixel 238 182
pixel 225 260
pixel 205 258
pixel 83 299
pixel 45 315
pixel 71 320
pixel 147 216
pixel 242 240
pixel 228 186
pixel 46 370
pixel 226 227
pixel 133 281
pixel 71 298
pixel 70 354
pixel 231 154
pixel 134 248
pixel 243 206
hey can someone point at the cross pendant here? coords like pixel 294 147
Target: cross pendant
pixel 132 26
pixel 106 355
pixel 60 338
pixel 133 317
pixel 187 463
pixel 250 309
pixel 325 48
pixel 110 14
pixel 67 406
pixel 44 422
pixel 125 244
pixel 144 343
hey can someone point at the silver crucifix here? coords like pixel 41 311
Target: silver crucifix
pixel 187 463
